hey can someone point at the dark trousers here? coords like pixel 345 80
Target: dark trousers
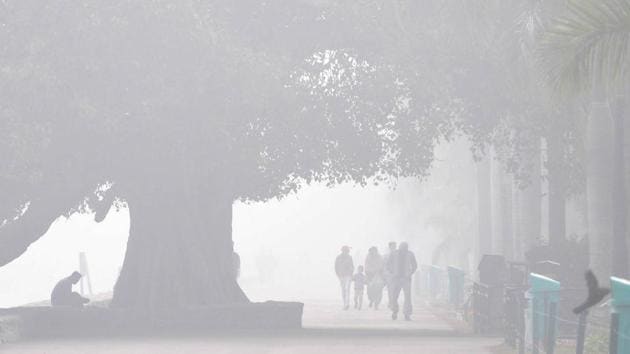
pixel 398 286
pixel 71 300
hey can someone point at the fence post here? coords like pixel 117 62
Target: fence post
pixel 521 323
pixel 551 327
pixel 535 329
pixel 614 334
pixel 581 335
pixel 544 297
pixel 620 321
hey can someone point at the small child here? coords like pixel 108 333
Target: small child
pixel 359 287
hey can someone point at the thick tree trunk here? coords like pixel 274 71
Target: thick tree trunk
pixel 619 251
pixel 626 148
pixel 507 215
pixel 501 204
pixel 496 176
pixel 484 209
pixel 517 215
pixel 577 207
pixel 179 254
pixel 557 193
pixel 527 212
pixel 598 187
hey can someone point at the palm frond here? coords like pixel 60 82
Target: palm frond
pixel 588 45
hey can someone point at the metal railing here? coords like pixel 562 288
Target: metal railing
pixel 535 318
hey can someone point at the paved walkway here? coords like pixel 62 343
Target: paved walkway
pixel 327 330
pixel 328 315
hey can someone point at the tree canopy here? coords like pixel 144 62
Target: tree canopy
pixel 190 100
pixel 126 100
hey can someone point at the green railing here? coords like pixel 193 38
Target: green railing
pixel 456 282
pixel 544 296
pixel 539 331
pixel 620 316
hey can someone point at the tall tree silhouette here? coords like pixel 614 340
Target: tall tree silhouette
pixel 177 109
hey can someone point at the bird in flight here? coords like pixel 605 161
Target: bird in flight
pixel 595 293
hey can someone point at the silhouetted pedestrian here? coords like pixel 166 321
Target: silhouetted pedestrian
pixel 373 263
pixel 344 268
pixel 374 267
pixel 402 264
pixel 387 275
pixel 62 294
pixel 375 290
pixel 359 287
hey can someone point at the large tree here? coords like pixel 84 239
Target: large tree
pixel 178 108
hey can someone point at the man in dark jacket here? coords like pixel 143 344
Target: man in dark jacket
pixel 387 275
pixel 401 265
pixel 62 294
pixel 344 268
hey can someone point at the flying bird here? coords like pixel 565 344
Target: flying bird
pixel 595 293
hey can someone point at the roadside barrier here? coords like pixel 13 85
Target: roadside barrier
pixel 536 317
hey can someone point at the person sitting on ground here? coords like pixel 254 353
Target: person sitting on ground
pixel 359 287
pixel 62 294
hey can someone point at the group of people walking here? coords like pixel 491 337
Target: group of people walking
pixel 392 271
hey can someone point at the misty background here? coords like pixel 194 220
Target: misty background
pixel 287 246
pixel 153 139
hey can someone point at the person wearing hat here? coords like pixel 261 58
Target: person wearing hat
pixel 344 268
pixel 62 294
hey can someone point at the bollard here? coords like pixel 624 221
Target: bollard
pixel 581 335
pixel 544 293
pixel 620 323
pixel 456 286
pixel 550 335
pixel 614 335
pixel 521 323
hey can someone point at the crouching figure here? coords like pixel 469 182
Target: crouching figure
pixel 62 294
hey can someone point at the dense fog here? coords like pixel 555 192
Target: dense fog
pixel 287 246
pixel 322 170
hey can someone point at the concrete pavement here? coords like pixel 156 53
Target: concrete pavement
pixel 327 330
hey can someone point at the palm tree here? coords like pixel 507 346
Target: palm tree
pixel 587 49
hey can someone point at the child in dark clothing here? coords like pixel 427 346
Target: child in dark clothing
pixel 359 286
